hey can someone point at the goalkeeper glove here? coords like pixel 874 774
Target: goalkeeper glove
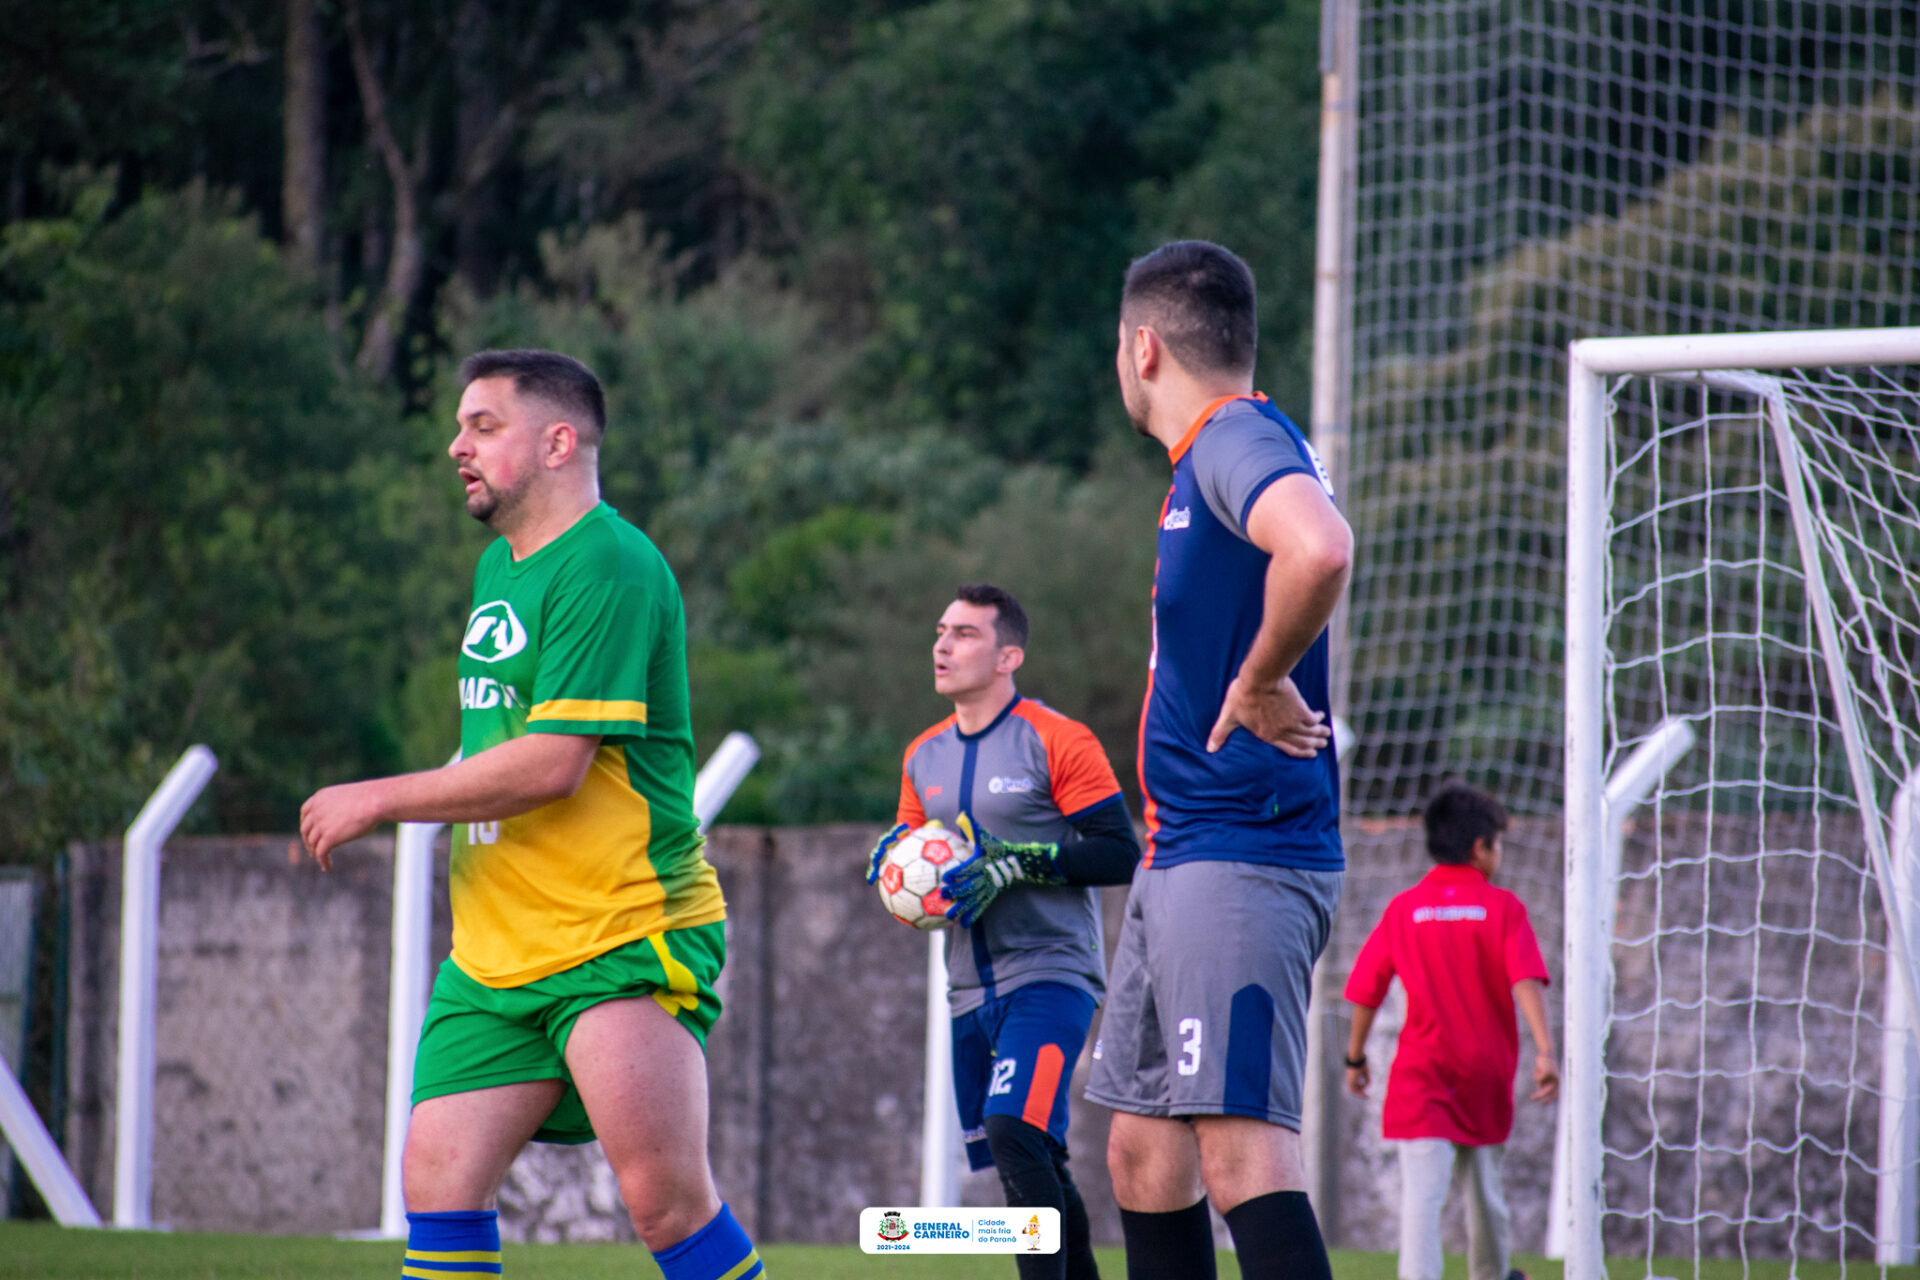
pixel 975 883
pixel 879 854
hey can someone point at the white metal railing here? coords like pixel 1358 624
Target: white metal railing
pixel 1625 791
pixel 722 775
pixel 939 1122
pixel 408 984
pixel 139 953
pixel 28 1137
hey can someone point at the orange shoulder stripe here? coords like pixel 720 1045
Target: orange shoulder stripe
pixel 910 810
pixel 1185 442
pixel 1082 774
pixel 1050 724
pixel 928 736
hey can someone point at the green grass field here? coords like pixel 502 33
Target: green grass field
pixel 45 1252
pixel 40 1251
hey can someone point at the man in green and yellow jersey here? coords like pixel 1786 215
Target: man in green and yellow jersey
pixel 587 925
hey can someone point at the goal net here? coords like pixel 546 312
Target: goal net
pixel 1743 560
pixel 1533 171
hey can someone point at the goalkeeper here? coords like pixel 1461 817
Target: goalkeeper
pixel 1465 952
pixel 1034 793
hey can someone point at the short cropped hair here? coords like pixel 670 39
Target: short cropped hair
pixel 1455 817
pixel 560 382
pixel 1199 298
pixel 1010 623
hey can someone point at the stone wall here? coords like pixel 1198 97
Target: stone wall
pixel 270 1034
pixel 272 1040
pixel 271 1044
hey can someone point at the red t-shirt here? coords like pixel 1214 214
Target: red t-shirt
pixel 1458 945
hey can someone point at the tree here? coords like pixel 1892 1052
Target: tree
pixel 73 74
pixel 1231 181
pixel 848 273
pixel 303 180
pixel 964 176
pixel 194 545
pixel 640 126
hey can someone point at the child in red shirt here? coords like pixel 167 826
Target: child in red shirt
pixel 1464 951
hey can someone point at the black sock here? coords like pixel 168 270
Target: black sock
pixel 1076 1232
pixel 1278 1238
pixel 1169 1246
pixel 1024 1156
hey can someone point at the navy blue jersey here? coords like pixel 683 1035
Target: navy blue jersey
pixel 1247 802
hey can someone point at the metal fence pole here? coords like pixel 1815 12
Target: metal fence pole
pixel 139 954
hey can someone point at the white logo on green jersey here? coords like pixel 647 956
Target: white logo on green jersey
pixel 494 632
pixel 483 693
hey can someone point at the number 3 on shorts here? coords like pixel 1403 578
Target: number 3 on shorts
pixel 1189 1063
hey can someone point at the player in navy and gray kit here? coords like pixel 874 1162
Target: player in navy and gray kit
pixel 1202 1052
pixel 1034 793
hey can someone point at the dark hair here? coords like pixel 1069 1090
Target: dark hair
pixel 560 382
pixel 1458 815
pixel 1010 623
pixel 1199 298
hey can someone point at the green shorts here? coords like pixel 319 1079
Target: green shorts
pixel 476 1036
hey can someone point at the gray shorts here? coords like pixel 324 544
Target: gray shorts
pixel 1207 1004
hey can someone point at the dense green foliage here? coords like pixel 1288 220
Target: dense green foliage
pixel 848 272
pixel 177 453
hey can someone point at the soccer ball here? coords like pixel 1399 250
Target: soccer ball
pixel 910 876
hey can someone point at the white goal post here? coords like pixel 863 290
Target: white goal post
pixel 1693 579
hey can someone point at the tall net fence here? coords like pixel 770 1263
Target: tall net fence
pixel 1759 1066
pixel 1533 171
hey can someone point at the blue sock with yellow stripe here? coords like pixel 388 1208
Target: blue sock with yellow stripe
pixel 718 1251
pixel 463 1245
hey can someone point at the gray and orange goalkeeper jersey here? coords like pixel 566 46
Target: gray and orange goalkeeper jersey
pixel 1024 777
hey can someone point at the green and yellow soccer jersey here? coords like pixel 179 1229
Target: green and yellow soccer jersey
pixel 587 635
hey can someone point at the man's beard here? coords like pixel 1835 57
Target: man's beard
pixel 492 507
pixel 1136 406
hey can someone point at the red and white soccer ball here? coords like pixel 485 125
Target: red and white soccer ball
pixel 910 876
